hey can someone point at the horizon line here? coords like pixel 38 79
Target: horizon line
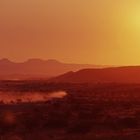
pixel 55 60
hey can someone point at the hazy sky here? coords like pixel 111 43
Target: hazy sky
pixel 80 31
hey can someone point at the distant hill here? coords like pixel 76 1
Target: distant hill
pixel 37 68
pixel 106 75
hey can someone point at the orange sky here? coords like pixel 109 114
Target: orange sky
pixel 80 31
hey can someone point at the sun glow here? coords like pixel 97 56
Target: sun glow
pixel 135 19
pixel 132 16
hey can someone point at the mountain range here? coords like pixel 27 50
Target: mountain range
pixel 128 74
pixel 37 68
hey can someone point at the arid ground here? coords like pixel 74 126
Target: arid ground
pixel 74 111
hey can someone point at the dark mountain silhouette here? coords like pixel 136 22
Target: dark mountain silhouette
pixel 37 68
pixel 114 75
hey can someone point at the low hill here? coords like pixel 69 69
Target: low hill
pixel 105 75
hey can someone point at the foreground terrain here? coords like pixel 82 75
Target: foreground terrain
pixel 87 112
